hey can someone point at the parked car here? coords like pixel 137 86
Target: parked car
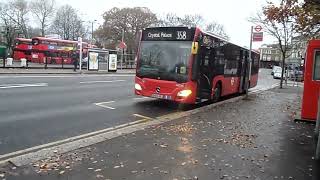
pixel 277 73
pixel 275 68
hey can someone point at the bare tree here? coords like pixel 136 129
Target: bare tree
pixel 187 20
pixel 14 19
pixel 129 20
pixel 43 10
pixel 193 21
pixel 169 19
pixel 216 28
pixel 277 20
pixel 14 14
pixel 68 24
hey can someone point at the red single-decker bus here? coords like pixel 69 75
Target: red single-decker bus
pixel 188 65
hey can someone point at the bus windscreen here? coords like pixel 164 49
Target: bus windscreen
pixel 165 60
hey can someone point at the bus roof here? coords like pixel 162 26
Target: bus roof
pixel 314 42
pixel 224 39
pixel 205 32
pixel 57 40
pixel 23 39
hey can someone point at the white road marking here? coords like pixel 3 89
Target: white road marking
pixel 92 82
pixel 9 86
pixel 102 104
pixel 141 116
pixel 140 98
pixel 71 140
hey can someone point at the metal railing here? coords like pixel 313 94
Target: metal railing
pixel 316 132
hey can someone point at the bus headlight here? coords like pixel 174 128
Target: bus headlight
pixel 184 93
pixel 137 87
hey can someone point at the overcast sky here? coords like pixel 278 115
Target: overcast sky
pixel 233 14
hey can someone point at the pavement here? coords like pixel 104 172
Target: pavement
pixel 249 139
pixel 8 71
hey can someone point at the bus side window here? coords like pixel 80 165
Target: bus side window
pixel 316 66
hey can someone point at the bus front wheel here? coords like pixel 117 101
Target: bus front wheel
pixel 217 93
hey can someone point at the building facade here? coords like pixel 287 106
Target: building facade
pixel 270 55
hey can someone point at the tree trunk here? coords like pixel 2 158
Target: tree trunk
pixel 283 68
pixel 42 29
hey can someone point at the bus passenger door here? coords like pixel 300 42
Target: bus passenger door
pixel 242 70
pixel 205 74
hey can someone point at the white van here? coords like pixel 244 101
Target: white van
pixel 275 68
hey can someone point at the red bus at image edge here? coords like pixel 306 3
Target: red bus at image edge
pixel 311 81
pixel 166 68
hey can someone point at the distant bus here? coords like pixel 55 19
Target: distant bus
pixel 54 51
pixel 188 65
pixel 22 49
pixel 311 81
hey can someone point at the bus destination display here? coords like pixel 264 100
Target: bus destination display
pixel 168 34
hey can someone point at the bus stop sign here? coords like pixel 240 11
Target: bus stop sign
pixel 122 45
pixel 258 28
pixel 257 36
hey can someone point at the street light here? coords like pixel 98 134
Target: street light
pixel 92 30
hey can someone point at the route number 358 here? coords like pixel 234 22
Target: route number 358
pixel 182 35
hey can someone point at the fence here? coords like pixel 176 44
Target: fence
pixel 126 61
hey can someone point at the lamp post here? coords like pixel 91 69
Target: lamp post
pixel 92 30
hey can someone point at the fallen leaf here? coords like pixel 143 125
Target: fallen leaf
pixel 99 176
pixel 62 172
pixel 97 170
pixel 163 145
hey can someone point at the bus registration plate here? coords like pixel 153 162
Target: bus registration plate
pixel 160 96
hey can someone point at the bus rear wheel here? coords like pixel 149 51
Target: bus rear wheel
pixel 217 93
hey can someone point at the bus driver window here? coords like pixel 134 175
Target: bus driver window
pixel 316 66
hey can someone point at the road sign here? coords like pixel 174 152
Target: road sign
pixel 122 45
pixel 257 36
pixel 258 28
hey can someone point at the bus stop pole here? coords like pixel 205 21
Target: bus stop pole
pixel 4 61
pixel 249 64
pixel 80 54
pixel 317 134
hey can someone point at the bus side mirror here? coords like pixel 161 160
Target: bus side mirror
pixel 194 49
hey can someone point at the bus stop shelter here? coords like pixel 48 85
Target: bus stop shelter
pixel 102 60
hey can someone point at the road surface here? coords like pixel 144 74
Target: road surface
pixel 39 109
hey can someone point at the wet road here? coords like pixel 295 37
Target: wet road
pixel 35 110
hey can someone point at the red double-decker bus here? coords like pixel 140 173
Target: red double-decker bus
pixel 54 51
pixel 22 49
pixel 189 66
pixel 311 81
